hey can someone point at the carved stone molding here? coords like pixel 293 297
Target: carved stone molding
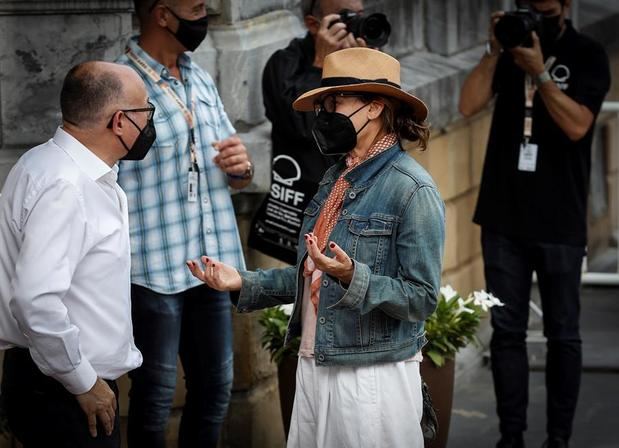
pixel 37 7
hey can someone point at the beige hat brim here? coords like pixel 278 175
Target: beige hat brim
pixel 305 103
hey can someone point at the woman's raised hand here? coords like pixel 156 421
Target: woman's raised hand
pixel 340 266
pixel 217 275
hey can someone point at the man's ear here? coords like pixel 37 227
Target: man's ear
pixel 312 24
pixel 116 124
pixel 161 15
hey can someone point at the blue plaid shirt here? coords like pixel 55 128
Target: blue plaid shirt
pixel 166 229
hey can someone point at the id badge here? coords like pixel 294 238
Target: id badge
pixel 528 157
pixel 192 186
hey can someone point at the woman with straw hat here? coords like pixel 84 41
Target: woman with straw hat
pixel 369 273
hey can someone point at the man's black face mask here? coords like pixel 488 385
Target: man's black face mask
pixel 190 33
pixel 143 143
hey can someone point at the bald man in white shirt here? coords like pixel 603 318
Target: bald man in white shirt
pixel 65 313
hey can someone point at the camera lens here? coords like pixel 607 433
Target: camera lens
pixel 514 29
pixel 510 31
pixel 375 30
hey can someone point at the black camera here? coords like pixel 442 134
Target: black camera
pixel 515 27
pixel 375 29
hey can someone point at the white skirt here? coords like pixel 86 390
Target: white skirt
pixel 377 406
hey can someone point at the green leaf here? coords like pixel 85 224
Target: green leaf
pixel 275 324
pixel 436 358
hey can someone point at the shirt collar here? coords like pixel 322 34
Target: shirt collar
pixel 184 60
pixel 86 160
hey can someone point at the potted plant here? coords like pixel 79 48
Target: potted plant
pixel 452 326
pixel 275 322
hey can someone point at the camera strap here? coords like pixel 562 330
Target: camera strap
pixel 529 92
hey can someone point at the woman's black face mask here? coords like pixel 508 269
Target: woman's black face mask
pixel 335 133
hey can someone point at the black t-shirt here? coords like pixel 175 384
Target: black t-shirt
pixel 550 204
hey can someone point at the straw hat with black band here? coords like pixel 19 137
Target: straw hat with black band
pixel 361 70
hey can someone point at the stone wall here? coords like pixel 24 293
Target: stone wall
pixel 40 41
pixel 437 42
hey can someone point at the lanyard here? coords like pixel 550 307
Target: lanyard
pixel 188 114
pixel 529 92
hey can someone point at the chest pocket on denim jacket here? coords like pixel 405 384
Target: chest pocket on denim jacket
pixel 310 216
pixel 371 240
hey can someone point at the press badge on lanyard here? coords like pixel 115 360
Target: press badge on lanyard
pixel 528 157
pixel 192 183
pixel 193 177
pixel 527 160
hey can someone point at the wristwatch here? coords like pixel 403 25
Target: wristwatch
pixel 248 174
pixel 490 51
pixel 542 78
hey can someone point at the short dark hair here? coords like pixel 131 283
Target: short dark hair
pixel 143 8
pixel 311 8
pixel 87 94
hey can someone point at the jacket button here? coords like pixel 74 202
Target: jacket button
pixel 325 283
pixel 321 357
pixel 344 212
pixel 352 195
pixel 322 320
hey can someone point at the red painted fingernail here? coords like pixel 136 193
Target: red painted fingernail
pixel 311 242
pixel 332 245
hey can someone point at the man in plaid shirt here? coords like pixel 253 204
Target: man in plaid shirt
pixel 180 208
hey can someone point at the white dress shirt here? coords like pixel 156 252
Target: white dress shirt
pixel 65 265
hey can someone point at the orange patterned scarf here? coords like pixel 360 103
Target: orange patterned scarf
pixel 333 206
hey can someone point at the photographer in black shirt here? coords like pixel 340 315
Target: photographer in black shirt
pixel 532 204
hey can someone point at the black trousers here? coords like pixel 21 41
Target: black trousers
pixel 42 413
pixel 509 264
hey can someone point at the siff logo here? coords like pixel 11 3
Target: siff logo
pixel 560 75
pixel 286 171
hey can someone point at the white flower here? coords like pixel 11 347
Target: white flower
pixel 495 301
pixel 287 309
pixel 481 299
pixel 462 308
pixel 480 296
pixel 448 292
pixel 486 300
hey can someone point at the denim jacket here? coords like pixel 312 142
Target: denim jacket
pixel 392 226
